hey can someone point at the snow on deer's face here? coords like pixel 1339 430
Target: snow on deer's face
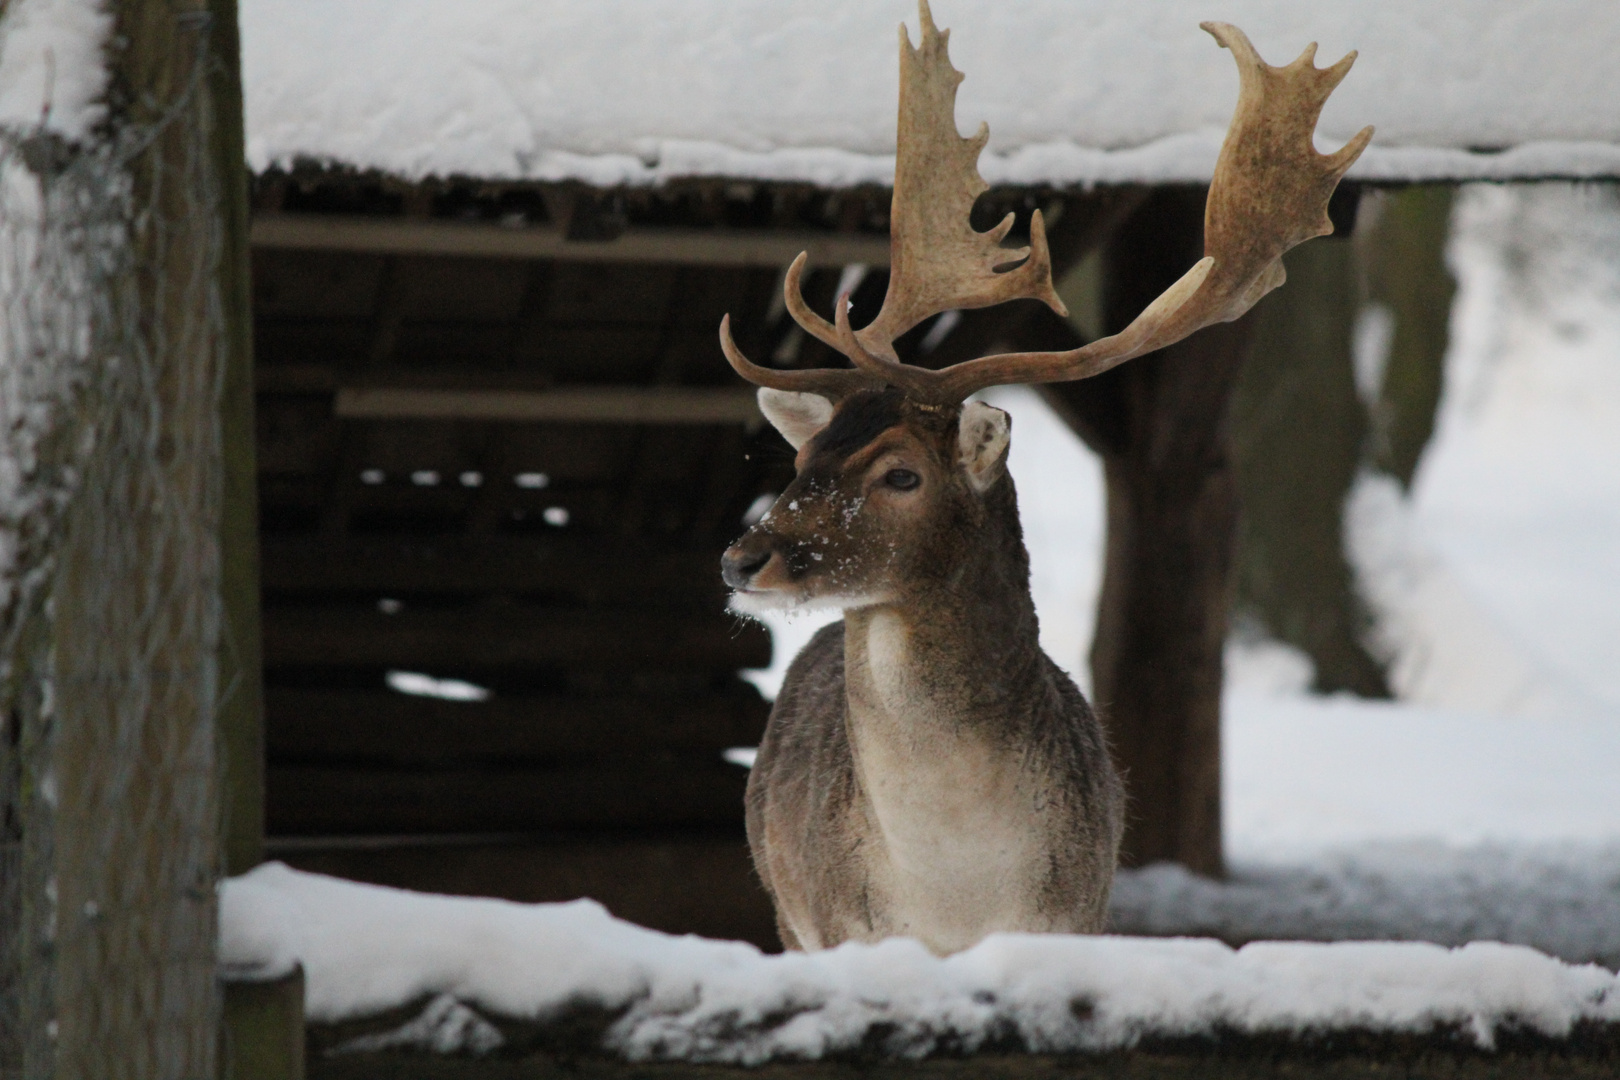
pixel 886 495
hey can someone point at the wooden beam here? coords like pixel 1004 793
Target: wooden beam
pixel 1342 1051
pixel 582 405
pixel 667 790
pixel 677 882
pixel 641 574
pixel 493 636
pixel 705 247
pixel 313 726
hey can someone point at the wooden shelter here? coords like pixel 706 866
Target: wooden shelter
pixel 498 444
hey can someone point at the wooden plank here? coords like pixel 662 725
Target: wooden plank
pixel 599 572
pixel 704 247
pixel 325 285
pixel 381 727
pixel 1332 1055
pixel 688 882
pixel 647 791
pixel 590 405
pixel 484 637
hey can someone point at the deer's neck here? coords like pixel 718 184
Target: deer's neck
pixel 940 702
pixel 959 652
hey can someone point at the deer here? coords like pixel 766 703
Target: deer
pixel 926 769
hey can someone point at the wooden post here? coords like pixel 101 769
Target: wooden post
pixel 263 1032
pixel 241 708
pixel 1160 425
pixel 133 765
pixel 264 1029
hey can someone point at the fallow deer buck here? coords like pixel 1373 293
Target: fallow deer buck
pixel 927 769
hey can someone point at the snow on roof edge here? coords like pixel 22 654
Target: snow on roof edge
pixel 1178 159
pixel 367 949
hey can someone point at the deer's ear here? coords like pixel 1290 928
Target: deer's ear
pixel 981 443
pixel 797 416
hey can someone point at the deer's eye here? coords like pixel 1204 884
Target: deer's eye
pixel 902 479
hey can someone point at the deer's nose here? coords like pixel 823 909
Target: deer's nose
pixel 738 566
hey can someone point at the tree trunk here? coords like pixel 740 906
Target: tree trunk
pixel 1403 251
pixel 1160 426
pixel 1315 407
pixel 1299 433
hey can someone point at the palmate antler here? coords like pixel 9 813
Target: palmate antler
pixel 1269 193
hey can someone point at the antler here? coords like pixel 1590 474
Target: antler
pixel 1269 193
pixel 937 261
pixel 835 383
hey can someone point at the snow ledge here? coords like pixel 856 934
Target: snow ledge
pixel 488 966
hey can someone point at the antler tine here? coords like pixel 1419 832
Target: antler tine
pixel 1269 193
pixel 938 262
pixel 914 380
pixel 793 297
pixel 835 383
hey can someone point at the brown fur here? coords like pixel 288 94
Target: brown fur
pixel 927 769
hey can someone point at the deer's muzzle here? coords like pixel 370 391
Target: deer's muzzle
pixel 741 562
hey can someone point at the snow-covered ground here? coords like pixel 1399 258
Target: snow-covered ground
pixel 367 949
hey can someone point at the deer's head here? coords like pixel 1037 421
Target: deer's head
pixel 893 467
pixel 887 491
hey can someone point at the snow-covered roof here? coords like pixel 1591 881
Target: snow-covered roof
pixel 1075 91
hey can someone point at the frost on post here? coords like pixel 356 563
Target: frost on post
pixel 110 360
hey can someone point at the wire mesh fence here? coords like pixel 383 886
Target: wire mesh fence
pixel 110 369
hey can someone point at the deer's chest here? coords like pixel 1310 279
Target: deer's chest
pixel 953 839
